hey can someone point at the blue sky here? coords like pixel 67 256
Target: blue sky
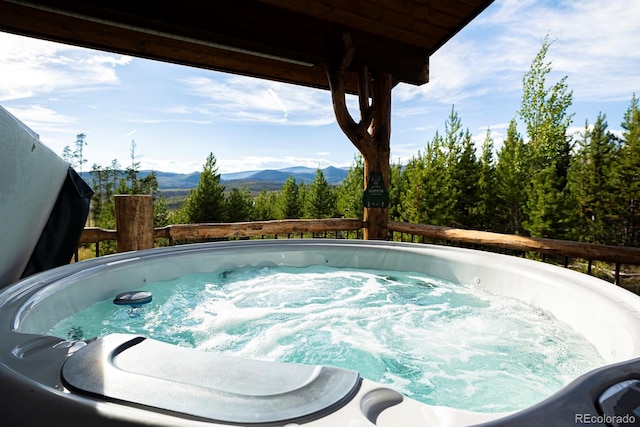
pixel 178 115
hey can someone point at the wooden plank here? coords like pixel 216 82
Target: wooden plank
pixel 66 29
pixel 96 234
pixel 259 228
pixel 311 45
pixel 424 24
pixel 616 254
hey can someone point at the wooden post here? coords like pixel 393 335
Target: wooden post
pixel 371 135
pixel 376 159
pixel 134 222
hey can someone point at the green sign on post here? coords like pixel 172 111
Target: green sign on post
pixel 375 196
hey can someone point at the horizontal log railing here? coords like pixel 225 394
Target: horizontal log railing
pixel 591 252
pixel 614 254
pixel 256 228
pixel 188 232
pixel 234 229
pixel 198 232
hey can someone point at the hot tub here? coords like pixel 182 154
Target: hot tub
pixel 125 379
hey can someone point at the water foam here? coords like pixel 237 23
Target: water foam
pixel 438 342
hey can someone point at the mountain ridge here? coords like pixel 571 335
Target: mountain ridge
pixel 268 178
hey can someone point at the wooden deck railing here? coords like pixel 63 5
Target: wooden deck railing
pixel 129 208
pixel 616 255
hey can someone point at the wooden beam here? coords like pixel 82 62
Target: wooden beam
pixel 234 229
pixel 615 254
pixel 242 37
pixel 258 228
pixel 413 22
pixel 96 234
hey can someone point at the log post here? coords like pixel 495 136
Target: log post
pixel 371 135
pixel 376 160
pixel 134 222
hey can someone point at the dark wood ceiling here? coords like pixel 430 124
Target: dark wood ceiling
pixel 285 40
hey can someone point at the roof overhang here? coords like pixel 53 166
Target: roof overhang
pixel 284 40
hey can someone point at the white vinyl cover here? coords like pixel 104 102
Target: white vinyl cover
pixel 31 176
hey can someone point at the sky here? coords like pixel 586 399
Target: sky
pixel 177 115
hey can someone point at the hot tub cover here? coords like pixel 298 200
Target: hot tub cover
pixel 44 203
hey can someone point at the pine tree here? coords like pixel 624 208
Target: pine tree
pixel 206 203
pixel 131 173
pixel 512 178
pixel 412 190
pixel 395 191
pixel 320 198
pixel 265 206
pixel 76 158
pixel 239 205
pixel 428 195
pixel 628 177
pixel 104 209
pixel 78 153
pixel 590 182
pixel 148 184
pixel 487 206
pixel 97 179
pixel 465 178
pixel 67 155
pixel 544 111
pixel 349 194
pixel 290 204
pixel 302 194
pixel 160 212
pixel 113 177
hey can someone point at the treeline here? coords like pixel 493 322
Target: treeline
pixel 207 202
pixel 583 187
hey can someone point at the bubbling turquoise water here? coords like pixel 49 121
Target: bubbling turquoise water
pixel 437 342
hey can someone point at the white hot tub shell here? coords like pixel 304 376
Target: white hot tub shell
pixel 50 372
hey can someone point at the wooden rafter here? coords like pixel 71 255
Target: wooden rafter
pixel 284 40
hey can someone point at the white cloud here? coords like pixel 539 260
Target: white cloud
pixel 246 163
pixel 241 164
pixel 31 67
pixel 504 125
pixel 239 98
pixel 172 165
pixel 42 119
pixel 404 152
pixel 594 43
pixel 145 121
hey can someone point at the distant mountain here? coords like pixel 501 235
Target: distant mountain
pixel 255 180
pixel 332 174
pixel 237 175
pixel 175 180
